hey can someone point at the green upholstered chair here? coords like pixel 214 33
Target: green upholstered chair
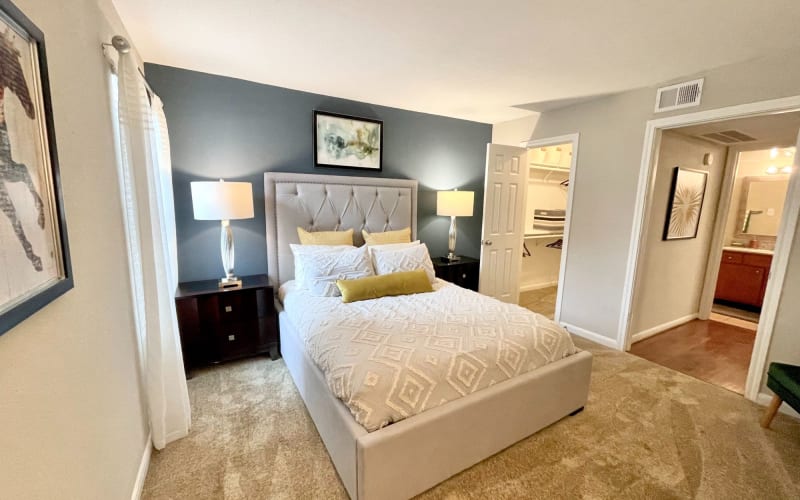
pixel 784 380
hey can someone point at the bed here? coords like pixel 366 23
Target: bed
pixel 415 453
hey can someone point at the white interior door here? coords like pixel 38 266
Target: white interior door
pixel 503 222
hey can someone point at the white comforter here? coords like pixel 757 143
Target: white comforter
pixel 390 358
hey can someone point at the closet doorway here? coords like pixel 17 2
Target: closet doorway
pixel 551 166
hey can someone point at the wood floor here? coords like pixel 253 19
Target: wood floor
pixel 713 351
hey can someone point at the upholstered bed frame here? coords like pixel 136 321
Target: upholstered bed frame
pixel 410 456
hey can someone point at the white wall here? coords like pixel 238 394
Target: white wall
pixel 511 133
pixel 785 345
pixel 672 273
pixel 612 134
pixel 71 413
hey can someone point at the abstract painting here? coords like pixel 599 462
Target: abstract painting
pixel 34 255
pixel 685 203
pixel 347 142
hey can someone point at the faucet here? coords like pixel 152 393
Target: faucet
pixel 747 215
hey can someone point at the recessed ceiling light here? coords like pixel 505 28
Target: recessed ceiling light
pixel 787 169
pixel 772 169
pixel 773 153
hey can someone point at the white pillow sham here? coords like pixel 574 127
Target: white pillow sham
pixel 391 246
pixel 317 267
pixel 403 259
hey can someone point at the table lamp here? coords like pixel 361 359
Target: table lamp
pixel 223 201
pixel 455 204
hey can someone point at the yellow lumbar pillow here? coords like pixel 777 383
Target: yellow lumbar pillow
pixel 325 237
pixel 385 285
pixel 386 237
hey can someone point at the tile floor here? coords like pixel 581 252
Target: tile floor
pixel 735 312
pixel 542 301
pixel 730 320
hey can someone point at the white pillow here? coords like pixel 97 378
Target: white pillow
pixel 299 267
pixel 391 246
pixel 404 259
pixel 318 268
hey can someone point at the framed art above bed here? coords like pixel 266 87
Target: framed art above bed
pixel 347 141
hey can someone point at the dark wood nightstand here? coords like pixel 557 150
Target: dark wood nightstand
pixel 219 325
pixel 463 273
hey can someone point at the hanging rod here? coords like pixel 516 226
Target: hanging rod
pixel 123 46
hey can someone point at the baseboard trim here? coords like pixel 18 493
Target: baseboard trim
pixel 764 399
pixel 662 328
pixel 537 286
pixel 144 465
pixel 594 337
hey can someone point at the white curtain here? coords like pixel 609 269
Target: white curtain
pixel 146 187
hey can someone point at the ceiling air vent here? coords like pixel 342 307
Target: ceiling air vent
pixel 680 95
pixel 729 137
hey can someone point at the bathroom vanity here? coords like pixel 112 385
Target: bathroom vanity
pixel 743 275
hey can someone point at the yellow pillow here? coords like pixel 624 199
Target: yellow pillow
pixel 325 237
pixel 399 236
pixel 385 285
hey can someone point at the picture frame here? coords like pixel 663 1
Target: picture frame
pixel 686 197
pixel 343 141
pixel 35 265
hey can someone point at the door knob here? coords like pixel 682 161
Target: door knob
pixel 487 242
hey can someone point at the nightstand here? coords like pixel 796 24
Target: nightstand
pixel 463 273
pixel 218 325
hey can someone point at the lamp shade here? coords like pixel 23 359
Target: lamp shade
pixel 222 200
pixel 458 203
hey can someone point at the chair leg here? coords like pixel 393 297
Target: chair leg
pixel 772 409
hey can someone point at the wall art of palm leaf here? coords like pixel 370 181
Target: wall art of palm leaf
pixel 686 203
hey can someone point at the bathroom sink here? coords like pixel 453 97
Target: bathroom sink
pixel 762 251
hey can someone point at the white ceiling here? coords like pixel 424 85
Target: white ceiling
pixel 472 59
pixel 774 130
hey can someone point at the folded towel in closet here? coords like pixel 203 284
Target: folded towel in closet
pixel 550 220
pixel 552 214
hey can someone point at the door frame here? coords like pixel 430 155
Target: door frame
pixel 783 246
pixel 573 139
pixel 721 214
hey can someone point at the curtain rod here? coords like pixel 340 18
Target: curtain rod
pixel 124 47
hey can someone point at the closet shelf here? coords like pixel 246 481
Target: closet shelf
pixel 537 236
pixel 552 168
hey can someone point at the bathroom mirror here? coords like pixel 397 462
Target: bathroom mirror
pixel 762 205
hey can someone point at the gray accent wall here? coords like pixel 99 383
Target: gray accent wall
pixel 227 128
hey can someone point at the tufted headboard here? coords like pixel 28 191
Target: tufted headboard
pixel 331 203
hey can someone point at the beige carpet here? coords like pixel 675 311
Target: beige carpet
pixel 542 300
pixel 647 432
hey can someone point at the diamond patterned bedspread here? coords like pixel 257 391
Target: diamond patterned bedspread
pixel 390 358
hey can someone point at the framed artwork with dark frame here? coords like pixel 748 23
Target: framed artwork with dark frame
pixel 685 203
pixel 34 253
pixel 347 141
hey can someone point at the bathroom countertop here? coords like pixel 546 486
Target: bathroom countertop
pixel 762 251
